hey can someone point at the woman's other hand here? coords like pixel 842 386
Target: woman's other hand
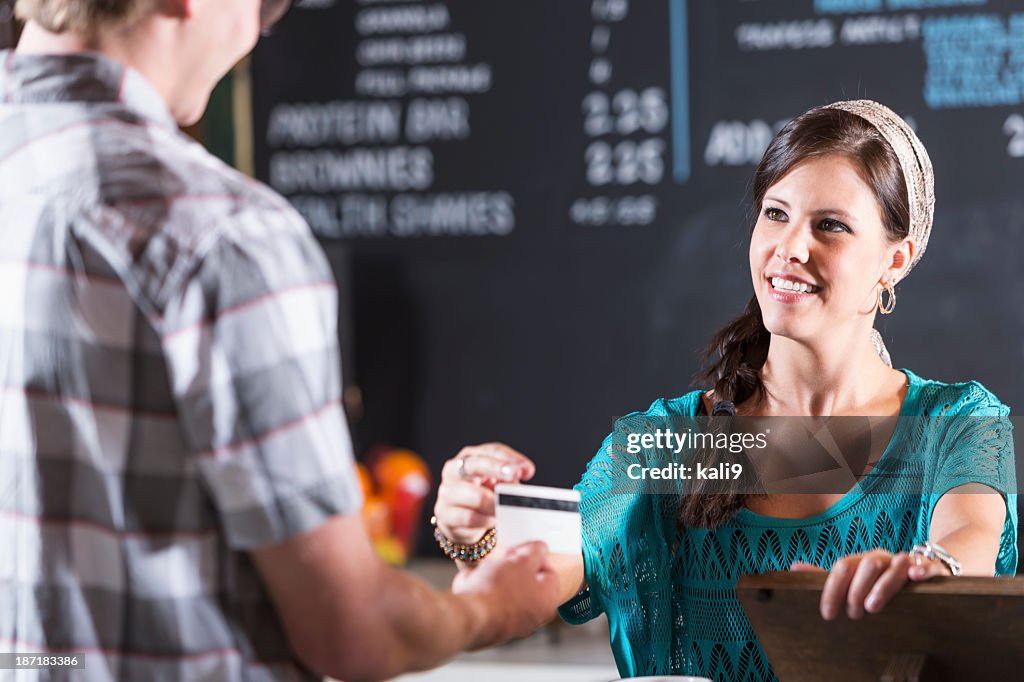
pixel 864 583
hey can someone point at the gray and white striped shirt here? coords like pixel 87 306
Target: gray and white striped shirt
pixel 170 385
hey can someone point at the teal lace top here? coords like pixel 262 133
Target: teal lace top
pixel 669 595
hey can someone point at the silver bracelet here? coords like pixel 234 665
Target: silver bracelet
pixel 931 550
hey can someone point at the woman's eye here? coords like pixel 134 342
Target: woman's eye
pixel 775 214
pixel 833 225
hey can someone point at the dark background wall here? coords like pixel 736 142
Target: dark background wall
pixel 538 210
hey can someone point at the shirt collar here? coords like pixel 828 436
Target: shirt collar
pixel 81 77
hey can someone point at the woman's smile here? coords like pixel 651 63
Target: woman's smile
pixel 790 289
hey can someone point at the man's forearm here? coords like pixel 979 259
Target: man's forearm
pixel 425 627
pixel 407 626
pixel 350 616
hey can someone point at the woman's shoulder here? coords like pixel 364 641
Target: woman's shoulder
pixel 685 405
pixel 661 413
pixel 934 398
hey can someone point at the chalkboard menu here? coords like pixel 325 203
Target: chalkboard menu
pixel 539 209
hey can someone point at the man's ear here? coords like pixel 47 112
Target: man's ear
pixel 899 262
pixel 178 9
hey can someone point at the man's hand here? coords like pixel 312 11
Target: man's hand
pixel 519 590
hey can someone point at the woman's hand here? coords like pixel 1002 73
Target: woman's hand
pixel 866 582
pixel 465 498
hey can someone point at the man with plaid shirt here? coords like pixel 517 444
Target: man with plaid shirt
pixel 177 493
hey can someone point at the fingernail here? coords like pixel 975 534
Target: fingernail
pixel 507 470
pixel 871 603
pixel 828 613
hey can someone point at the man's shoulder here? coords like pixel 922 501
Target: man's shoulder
pixel 155 203
pixel 163 173
pixel 170 203
pixel 153 177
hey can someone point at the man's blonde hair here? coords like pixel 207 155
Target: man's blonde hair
pixel 81 16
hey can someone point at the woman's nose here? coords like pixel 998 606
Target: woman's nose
pixel 793 246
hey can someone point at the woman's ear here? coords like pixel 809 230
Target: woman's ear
pixel 899 262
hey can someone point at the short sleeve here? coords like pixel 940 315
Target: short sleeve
pixel 251 346
pixel 593 487
pixel 622 539
pixel 977 447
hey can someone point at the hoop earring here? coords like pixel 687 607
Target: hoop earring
pixel 886 307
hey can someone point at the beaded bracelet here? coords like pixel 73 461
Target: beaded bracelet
pixel 460 552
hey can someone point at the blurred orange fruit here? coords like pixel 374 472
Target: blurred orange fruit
pixel 392 467
pixel 365 480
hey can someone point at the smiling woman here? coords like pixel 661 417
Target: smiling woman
pixel 843 202
pixel 843 205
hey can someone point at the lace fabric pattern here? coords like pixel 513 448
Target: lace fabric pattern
pixel 670 595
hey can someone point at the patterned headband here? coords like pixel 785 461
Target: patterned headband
pixel 914 161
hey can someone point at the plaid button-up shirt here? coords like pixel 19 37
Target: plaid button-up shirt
pixel 170 385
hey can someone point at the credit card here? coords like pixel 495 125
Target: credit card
pixel 526 513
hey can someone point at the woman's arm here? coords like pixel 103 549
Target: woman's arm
pixel 967 522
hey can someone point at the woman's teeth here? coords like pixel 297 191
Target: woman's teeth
pixel 798 287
